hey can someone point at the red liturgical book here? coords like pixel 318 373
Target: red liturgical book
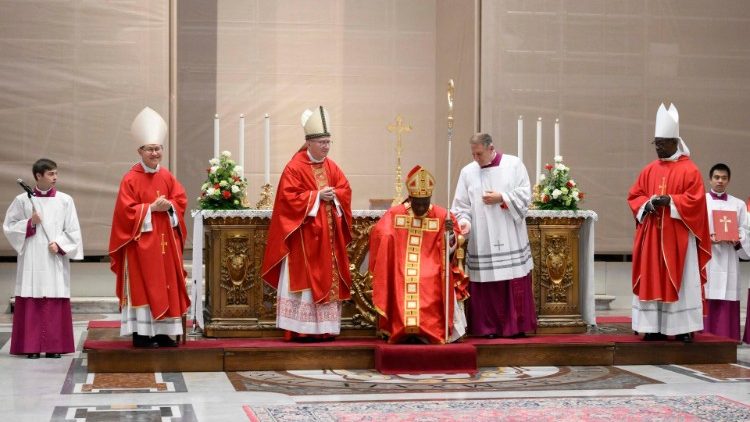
pixel 725 225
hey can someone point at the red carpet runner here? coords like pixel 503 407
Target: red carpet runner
pixel 425 359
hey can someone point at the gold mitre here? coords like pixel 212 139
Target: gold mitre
pixel 420 183
pixel 316 123
pixel 148 128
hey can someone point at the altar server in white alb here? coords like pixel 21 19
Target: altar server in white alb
pixel 491 201
pixel 44 231
pixel 722 313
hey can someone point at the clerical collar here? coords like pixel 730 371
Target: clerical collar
pixel 148 169
pixel 718 196
pixel 44 193
pixel 313 159
pixel 495 160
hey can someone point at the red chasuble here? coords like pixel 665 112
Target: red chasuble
pixel 151 261
pixel 314 246
pixel 407 256
pixel 660 241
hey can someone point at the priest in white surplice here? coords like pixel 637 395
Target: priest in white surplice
pixel 723 286
pixel 46 237
pixel 491 200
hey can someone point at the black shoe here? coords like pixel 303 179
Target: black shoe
pixel 164 340
pixel 490 336
pixel 685 338
pixel 518 335
pixel 33 355
pixel 654 337
pixel 52 355
pixel 145 342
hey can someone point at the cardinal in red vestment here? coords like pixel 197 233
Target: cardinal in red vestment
pixel 408 266
pixel 306 258
pixel 147 240
pixel 672 245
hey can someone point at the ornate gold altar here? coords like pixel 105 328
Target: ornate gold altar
pixel 239 304
pixel 554 248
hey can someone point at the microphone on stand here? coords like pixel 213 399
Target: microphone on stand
pixel 25 187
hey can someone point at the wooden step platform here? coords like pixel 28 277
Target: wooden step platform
pixel 107 352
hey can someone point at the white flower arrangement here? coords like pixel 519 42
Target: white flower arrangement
pixel 557 190
pixel 225 187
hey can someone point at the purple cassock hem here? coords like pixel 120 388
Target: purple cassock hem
pixel 42 325
pixel 746 337
pixel 502 308
pixel 722 318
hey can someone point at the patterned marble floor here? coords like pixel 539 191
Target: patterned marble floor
pixel 64 390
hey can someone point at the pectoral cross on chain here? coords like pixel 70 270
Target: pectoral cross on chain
pixel 163 245
pixel 663 186
pixel 725 220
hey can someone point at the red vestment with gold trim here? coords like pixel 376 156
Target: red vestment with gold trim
pixel 315 246
pixel 661 241
pixel 407 255
pixel 151 261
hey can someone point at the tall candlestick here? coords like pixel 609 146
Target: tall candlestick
pixel 538 149
pixel 267 149
pixel 216 135
pixel 520 138
pixel 242 142
pixel 557 137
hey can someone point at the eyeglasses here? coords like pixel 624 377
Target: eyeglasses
pixel 151 150
pixel 323 143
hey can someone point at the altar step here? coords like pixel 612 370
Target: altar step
pixel 107 352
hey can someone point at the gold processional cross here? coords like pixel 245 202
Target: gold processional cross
pixel 398 128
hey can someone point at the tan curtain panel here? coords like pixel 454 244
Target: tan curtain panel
pixel 73 75
pixel 603 67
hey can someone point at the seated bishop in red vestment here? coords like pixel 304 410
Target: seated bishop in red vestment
pixel 408 263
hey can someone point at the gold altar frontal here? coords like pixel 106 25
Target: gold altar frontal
pixel 239 304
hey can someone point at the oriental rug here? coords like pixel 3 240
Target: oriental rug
pixel 576 409
pixel 367 381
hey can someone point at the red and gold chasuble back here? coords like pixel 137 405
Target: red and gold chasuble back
pixel 407 262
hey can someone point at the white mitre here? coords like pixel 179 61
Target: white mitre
pixel 148 128
pixel 316 123
pixel 668 126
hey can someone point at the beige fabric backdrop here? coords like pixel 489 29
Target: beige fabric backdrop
pixel 73 74
pixel 366 61
pixel 603 67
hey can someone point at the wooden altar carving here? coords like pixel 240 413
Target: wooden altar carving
pixel 239 304
pixel 554 248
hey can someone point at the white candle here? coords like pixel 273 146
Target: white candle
pixel 557 137
pixel 520 138
pixel 538 149
pixel 216 135
pixel 267 149
pixel 242 142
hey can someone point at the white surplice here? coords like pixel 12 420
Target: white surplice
pixel 723 268
pixel 41 273
pixel 498 245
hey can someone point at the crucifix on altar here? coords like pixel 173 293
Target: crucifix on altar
pixel 398 128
